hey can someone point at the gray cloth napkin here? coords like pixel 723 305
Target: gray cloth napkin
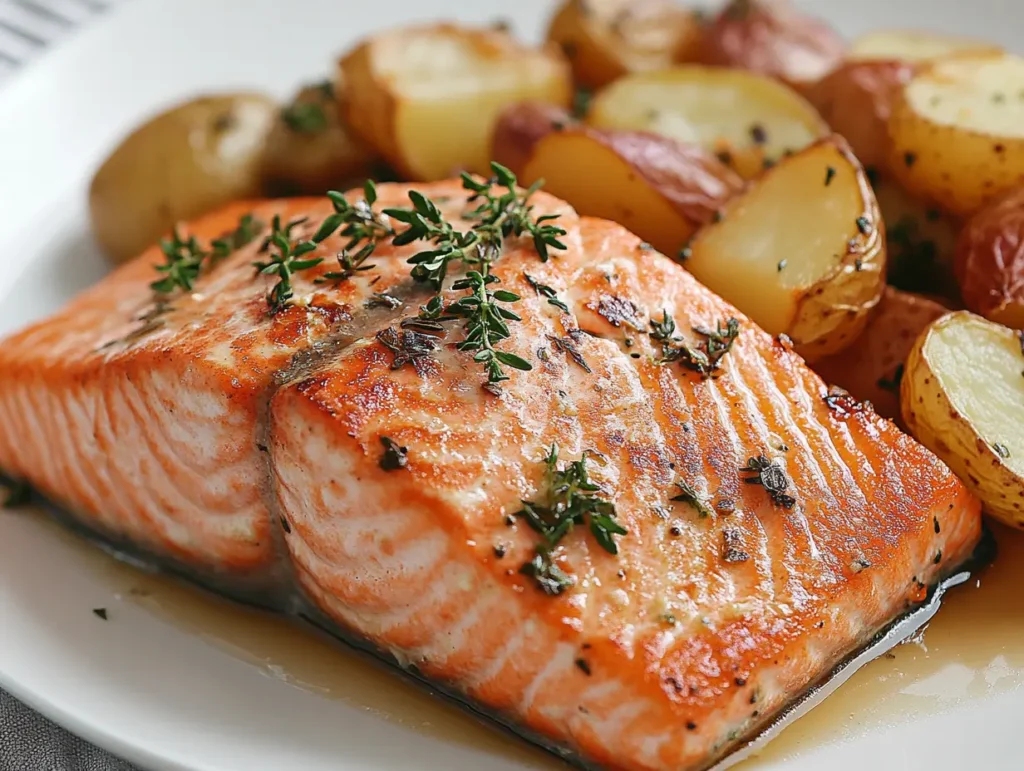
pixel 29 742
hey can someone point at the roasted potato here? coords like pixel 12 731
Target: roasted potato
pixel 911 46
pixel 773 38
pixel 520 127
pixel 660 189
pixel 185 161
pixel 801 250
pixel 749 120
pixel 427 98
pixel 856 100
pixel 872 367
pixel 963 398
pixel 606 39
pixel 310 149
pixel 957 131
pixel 990 261
pixel 920 240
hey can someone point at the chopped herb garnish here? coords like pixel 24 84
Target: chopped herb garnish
pixel 305 117
pixel 289 259
pixel 567 345
pixel 383 300
pixel 409 346
pixel 570 499
pixel 893 383
pixel 769 474
pixel 545 291
pixel 618 311
pixel 688 494
pixel 18 494
pixel 664 330
pixel 248 228
pixel 830 174
pixel 395 457
pixel 583 666
pixel 706 357
pixel 732 551
pixel 1002 450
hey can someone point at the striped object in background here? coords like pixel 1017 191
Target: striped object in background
pixel 29 27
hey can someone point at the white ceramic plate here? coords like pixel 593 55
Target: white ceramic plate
pixel 173 680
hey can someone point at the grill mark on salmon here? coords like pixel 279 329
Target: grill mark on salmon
pixel 200 440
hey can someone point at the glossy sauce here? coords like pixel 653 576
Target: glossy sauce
pixel 973 649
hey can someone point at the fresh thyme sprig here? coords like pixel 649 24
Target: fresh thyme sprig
pixel 358 221
pixel 183 259
pixel 706 357
pixel 497 216
pixel 286 261
pixel 571 499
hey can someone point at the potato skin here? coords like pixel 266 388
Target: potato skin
pixel 187 160
pixel 989 261
pixel 871 368
pixel 662 190
pixel 934 420
pixel 856 100
pixel 310 150
pixel 771 37
pixel 520 127
pixel 606 39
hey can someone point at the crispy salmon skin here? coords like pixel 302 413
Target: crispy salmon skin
pixel 757 529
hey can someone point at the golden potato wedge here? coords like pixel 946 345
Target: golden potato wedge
pixel 606 39
pixel 750 120
pixel 520 127
pixel 310 149
pixel 801 250
pixel 856 100
pixel 872 367
pixel 990 261
pixel 920 240
pixel 187 160
pixel 913 46
pixel 773 38
pixel 427 98
pixel 660 189
pixel 962 397
pixel 957 131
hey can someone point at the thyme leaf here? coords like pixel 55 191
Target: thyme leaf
pixel 705 358
pixel 570 499
pixel 688 494
pixel 288 259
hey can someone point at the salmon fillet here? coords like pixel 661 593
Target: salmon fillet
pixel 317 453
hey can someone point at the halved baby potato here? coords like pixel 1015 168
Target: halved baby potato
pixel 606 39
pixel 963 398
pixel 856 100
pixel 774 38
pixel 914 46
pixel 310 149
pixel 427 98
pixel 660 189
pixel 871 369
pixel 749 120
pixel 520 127
pixel 957 130
pixel 801 250
pixel 990 261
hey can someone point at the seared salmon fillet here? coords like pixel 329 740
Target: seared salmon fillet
pixel 757 529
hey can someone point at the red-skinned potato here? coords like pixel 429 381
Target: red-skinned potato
pixel 520 127
pixel 856 100
pixel 773 38
pixel 661 189
pixel 606 39
pixel 871 368
pixel 989 261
